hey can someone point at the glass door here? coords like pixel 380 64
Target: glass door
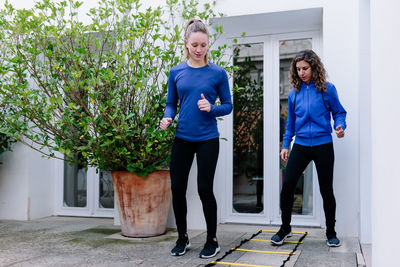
pixel 261 87
pixel 248 122
pixel 83 192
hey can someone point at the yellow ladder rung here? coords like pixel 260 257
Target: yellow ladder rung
pixel 239 264
pixel 275 231
pixel 290 242
pixel 264 251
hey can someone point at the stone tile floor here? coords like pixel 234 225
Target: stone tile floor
pixel 74 241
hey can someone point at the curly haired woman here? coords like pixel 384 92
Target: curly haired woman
pixel 311 102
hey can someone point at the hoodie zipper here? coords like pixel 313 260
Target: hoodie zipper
pixel 309 117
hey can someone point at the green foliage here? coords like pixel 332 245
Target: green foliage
pixel 5 143
pixel 248 119
pixel 96 89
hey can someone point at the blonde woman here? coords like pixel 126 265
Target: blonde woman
pixel 194 85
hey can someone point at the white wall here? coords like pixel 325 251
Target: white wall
pixel 340 38
pixel 385 95
pixel 365 122
pixel 14 185
pixel 26 184
pixel 41 184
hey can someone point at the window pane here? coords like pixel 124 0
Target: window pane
pixel 303 198
pixel 106 190
pixel 248 171
pixel 75 190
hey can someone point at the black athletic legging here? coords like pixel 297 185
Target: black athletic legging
pixel 300 156
pixel 181 161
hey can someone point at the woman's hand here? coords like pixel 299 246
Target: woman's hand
pixel 284 154
pixel 203 104
pixel 339 131
pixel 165 122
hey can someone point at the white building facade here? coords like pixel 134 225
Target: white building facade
pixel 357 42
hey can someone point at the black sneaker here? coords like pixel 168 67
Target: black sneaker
pixel 181 245
pixel 211 248
pixel 278 238
pixel 333 242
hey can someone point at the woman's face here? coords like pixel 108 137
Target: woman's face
pixel 197 44
pixel 304 71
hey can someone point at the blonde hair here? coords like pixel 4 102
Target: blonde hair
pixel 195 25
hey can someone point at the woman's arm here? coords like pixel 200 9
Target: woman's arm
pixel 172 98
pixel 338 112
pixel 224 94
pixel 290 121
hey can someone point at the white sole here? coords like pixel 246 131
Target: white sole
pixel 333 245
pixel 183 252
pixel 283 240
pixel 210 256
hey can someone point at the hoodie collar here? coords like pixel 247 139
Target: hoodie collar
pixel 310 85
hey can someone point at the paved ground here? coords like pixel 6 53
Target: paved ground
pixel 71 241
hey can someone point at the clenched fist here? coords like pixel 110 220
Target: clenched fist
pixel 203 104
pixel 165 122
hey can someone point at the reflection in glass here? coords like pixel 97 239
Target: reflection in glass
pixel 75 186
pixel 106 190
pixel 248 171
pixel 303 198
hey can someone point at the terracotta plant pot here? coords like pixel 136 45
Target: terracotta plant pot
pixel 143 203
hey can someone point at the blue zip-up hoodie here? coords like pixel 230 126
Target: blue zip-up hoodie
pixel 310 121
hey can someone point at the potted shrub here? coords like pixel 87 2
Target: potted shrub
pixel 93 93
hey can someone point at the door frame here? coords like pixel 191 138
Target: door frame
pixel 92 208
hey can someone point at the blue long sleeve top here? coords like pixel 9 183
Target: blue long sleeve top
pixel 185 86
pixel 309 118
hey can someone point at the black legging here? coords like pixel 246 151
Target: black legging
pixel 181 161
pixel 300 156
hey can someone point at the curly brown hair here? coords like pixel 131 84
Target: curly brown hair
pixel 317 68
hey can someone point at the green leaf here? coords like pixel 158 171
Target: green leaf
pixel 59 100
